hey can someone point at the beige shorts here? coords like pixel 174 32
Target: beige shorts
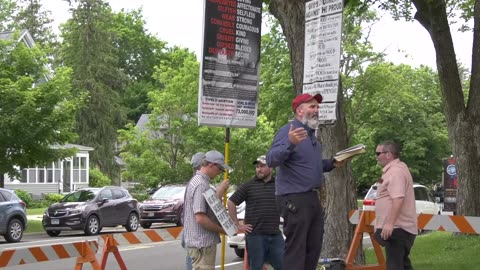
pixel 203 258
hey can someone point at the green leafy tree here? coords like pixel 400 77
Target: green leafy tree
pixel 462 108
pixel 36 20
pixel 33 116
pixel 88 48
pixel 403 104
pixel 98 179
pixel 138 54
pixel 7 9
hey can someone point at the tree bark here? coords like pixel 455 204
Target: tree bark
pixel 340 186
pixel 463 120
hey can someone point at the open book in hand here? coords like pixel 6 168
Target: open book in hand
pixel 350 152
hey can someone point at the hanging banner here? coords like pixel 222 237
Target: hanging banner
pixel 228 94
pixel 323 35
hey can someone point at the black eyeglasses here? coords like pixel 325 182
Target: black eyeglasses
pixel 220 167
pixel 379 153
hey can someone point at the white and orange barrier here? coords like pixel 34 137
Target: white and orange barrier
pixel 110 242
pixel 365 221
pixel 83 251
pixel 460 224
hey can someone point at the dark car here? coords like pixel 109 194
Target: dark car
pixel 91 209
pixel 13 217
pixel 165 205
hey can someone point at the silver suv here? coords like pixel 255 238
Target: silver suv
pixel 424 201
pixel 13 218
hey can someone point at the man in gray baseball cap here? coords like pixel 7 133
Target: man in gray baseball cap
pixel 218 159
pixel 196 161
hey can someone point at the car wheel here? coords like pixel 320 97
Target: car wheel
pixel 93 225
pixel 240 252
pixel 132 223
pixel 146 225
pixel 14 231
pixel 53 233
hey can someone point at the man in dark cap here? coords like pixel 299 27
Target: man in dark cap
pixel 264 240
pixel 297 156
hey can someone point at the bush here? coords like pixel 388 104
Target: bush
pixel 98 179
pixel 140 196
pixel 53 198
pixel 24 196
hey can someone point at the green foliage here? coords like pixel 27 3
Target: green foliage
pixel 276 86
pixel 24 196
pixel 89 49
pixel 34 114
pixel 53 197
pixel 7 8
pixel 140 196
pixel 403 104
pixel 34 226
pixel 98 179
pixel 37 21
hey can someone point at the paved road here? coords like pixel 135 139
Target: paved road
pixel 167 255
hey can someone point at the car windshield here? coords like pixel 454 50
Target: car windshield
pixel 80 196
pixel 169 193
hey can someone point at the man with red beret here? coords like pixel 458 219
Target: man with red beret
pixel 297 156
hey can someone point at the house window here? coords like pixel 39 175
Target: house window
pixel 41 175
pixel 24 176
pixel 32 175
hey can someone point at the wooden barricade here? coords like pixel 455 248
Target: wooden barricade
pixel 365 221
pixel 364 226
pixel 112 241
pixel 84 251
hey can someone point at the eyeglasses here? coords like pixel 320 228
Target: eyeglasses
pixel 219 167
pixel 379 153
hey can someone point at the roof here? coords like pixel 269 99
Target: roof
pixel 70 145
pixel 24 36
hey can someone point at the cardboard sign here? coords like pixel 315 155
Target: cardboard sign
pixel 220 212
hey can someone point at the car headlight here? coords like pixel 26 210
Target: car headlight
pixel 77 210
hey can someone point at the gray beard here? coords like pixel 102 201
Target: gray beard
pixel 310 122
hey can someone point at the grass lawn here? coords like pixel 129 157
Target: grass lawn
pixel 441 251
pixel 34 226
pixel 36 211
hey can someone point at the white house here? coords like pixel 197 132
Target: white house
pixel 61 176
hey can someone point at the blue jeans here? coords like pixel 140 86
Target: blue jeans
pixel 188 260
pixel 262 248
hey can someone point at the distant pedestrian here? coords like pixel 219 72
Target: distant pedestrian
pixel 196 163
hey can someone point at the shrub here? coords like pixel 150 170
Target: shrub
pixel 52 198
pixel 98 179
pixel 140 196
pixel 24 196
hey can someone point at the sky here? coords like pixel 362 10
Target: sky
pixel 181 23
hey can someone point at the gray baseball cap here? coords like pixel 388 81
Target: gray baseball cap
pixel 197 159
pixel 216 157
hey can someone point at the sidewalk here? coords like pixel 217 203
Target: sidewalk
pixel 35 217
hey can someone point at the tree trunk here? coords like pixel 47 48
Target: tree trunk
pixel 340 186
pixel 463 121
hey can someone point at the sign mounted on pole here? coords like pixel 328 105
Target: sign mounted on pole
pixel 228 94
pixel 323 35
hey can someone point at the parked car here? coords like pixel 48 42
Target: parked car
pixel 13 217
pixel 91 209
pixel 424 201
pixel 163 206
